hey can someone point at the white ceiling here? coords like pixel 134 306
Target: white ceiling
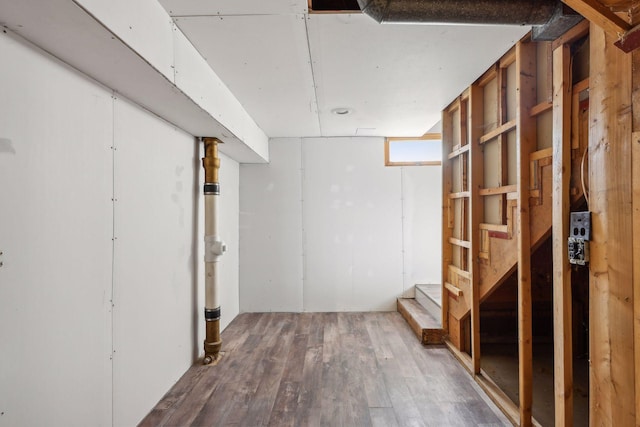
pixel 289 69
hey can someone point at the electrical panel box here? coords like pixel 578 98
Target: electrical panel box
pixel 580 234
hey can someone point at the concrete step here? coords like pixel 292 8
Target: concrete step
pixel 430 297
pixel 425 326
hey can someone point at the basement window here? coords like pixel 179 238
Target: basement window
pixel 341 6
pixel 421 151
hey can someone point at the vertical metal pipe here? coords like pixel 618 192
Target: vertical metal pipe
pixel 214 247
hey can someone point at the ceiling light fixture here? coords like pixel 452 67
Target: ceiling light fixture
pixel 342 111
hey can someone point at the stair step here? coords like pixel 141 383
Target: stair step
pixel 426 327
pixel 430 297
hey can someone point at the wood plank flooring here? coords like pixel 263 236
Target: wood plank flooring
pixel 326 369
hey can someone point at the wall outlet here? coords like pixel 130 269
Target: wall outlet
pixel 578 251
pixel 580 234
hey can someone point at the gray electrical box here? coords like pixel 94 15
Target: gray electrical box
pixel 580 234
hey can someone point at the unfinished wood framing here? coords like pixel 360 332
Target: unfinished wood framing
pixel 457 245
pixel 526 67
pixel 548 179
pixel 635 166
pixel 505 170
pixel 447 227
pixel 476 209
pixel 611 272
pixel 562 317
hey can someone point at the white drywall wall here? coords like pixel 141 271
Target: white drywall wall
pixel 271 231
pixel 155 281
pixel 422 225
pixel 327 227
pixel 352 226
pixel 55 232
pixel 68 357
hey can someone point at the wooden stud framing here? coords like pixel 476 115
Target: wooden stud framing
pixel 503 128
pixel 447 226
pixel 635 183
pixel 612 389
pixel 475 210
pixel 526 143
pixel 561 163
pixel 635 163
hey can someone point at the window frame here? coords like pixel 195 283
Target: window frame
pixel 425 137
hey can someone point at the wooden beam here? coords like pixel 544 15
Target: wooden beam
pixel 635 187
pixel 495 227
pixel 453 289
pixel 562 320
pixel 498 190
pixel 541 154
pixel 526 144
pixel 635 164
pixel 600 15
pixel 538 109
pixel 611 353
pixel 506 127
pixel 476 176
pixel 460 243
pixel 459 195
pixel 456 153
pixel 447 188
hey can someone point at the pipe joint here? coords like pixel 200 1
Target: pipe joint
pixel 214 248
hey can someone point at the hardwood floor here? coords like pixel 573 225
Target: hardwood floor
pixel 325 369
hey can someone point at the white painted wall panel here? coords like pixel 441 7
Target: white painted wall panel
pixel 352 226
pixel 56 226
pixel 336 231
pixel 142 24
pixel 422 224
pixel 271 231
pixel 55 232
pixel 155 277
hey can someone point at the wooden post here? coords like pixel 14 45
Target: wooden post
pixel 635 165
pixel 526 143
pixel 447 232
pixel 635 160
pixel 562 339
pixel 612 389
pixel 476 178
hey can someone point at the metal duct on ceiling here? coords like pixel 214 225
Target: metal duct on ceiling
pixel 513 12
pixel 549 18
